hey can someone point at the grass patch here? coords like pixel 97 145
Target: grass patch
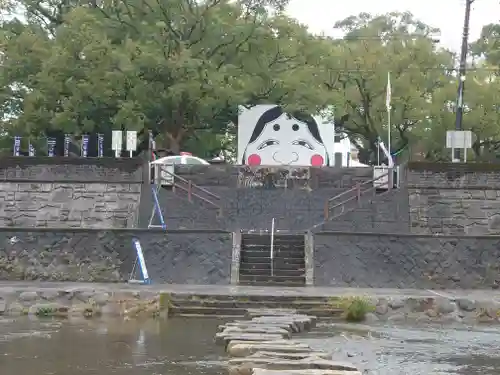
pixel 354 308
pixel 45 311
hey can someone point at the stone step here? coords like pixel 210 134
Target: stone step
pixel 267 265
pixel 281 236
pixel 206 311
pixel 277 262
pixel 272 284
pixel 296 280
pixel 267 254
pixel 275 242
pixel 276 272
pixel 266 240
pixel 244 296
pixel 276 253
pixel 290 247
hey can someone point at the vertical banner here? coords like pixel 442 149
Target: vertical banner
pixel 100 145
pixel 116 142
pixel 17 146
pixel 31 149
pixel 51 145
pixel 141 261
pixel 67 140
pixel 85 146
pixel 131 142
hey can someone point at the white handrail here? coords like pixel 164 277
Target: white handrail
pixel 272 247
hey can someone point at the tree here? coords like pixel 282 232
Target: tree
pixel 178 68
pixel 372 47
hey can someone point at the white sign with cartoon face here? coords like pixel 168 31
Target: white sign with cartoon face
pixel 269 136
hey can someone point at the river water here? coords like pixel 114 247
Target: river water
pixel 185 347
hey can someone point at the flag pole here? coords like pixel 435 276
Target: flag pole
pixel 388 107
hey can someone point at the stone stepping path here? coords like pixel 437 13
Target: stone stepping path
pixel 263 345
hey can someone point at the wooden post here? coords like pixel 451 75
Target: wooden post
pixel 327 210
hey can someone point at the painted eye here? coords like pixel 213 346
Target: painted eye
pixel 295 127
pixel 269 142
pixel 276 127
pixel 303 143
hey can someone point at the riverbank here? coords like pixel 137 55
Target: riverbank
pixel 130 301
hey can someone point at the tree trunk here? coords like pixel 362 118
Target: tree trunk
pixel 174 141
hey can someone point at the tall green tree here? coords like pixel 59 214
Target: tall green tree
pixel 374 46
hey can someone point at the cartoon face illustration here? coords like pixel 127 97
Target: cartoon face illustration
pixel 279 138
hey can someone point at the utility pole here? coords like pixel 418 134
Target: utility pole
pixel 462 72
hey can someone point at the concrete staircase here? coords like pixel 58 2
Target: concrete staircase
pixel 287 268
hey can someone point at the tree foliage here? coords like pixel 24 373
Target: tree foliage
pixel 180 68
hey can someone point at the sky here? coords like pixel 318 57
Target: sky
pixel 447 15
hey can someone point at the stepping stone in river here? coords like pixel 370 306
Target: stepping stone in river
pixel 221 338
pixel 245 349
pixel 256 329
pixel 250 323
pixel 283 364
pixel 299 323
pixel 291 356
pixel 261 371
pixel 252 313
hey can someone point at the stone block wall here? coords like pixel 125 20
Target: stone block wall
pixel 454 198
pixel 186 257
pixel 70 192
pixel 406 261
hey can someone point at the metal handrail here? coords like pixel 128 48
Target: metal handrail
pixel 359 192
pixel 189 182
pixel 189 189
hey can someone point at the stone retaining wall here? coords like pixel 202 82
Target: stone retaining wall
pixel 406 261
pixel 195 257
pixel 70 192
pixel 454 199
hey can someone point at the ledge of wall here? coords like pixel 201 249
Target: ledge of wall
pixel 420 166
pixel 62 169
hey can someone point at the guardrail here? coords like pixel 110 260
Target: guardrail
pixel 354 195
pixel 192 189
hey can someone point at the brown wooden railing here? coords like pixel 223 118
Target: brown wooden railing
pixel 352 198
pixel 193 190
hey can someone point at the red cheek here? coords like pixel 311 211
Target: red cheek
pixel 254 159
pixel 317 160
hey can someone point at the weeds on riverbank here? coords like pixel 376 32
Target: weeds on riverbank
pixel 354 308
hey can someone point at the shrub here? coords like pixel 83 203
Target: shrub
pixel 358 308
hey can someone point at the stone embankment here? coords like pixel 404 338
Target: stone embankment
pixel 78 302
pixel 263 345
pixel 114 300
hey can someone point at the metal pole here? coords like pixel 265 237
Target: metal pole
pixel 272 247
pixel 462 72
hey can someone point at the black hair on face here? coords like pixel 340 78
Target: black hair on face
pixel 274 113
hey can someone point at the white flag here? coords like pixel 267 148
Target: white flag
pixel 388 97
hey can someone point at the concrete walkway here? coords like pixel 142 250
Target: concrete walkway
pixel 478 295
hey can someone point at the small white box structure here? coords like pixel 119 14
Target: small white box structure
pixel 117 142
pixel 458 139
pixel 167 174
pixel 380 177
pixel 383 182
pixel 131 142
